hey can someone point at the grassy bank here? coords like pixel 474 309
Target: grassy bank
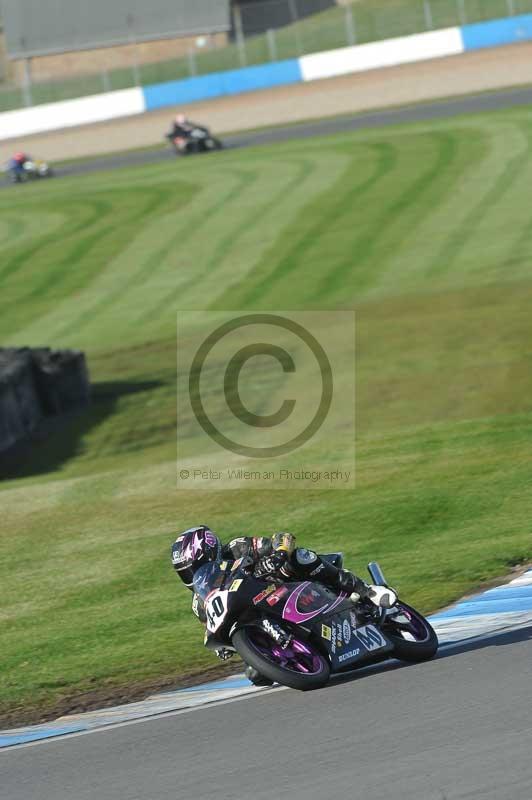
pixel 424 230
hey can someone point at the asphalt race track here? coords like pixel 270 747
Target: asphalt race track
pixel 470 104
pixel 454 728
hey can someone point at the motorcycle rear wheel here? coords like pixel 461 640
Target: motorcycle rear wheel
pixel 422 641
pixel 299 666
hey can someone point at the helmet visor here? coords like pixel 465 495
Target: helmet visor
pixel 186 573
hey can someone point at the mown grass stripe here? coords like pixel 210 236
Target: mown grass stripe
pixel 367 244
pixel 492 196
pixel 186 231
pixel 69 229
pixel 231 239
pixel 383 157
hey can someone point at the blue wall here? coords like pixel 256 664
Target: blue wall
pixel 248 79
pixel 217 84
pixel 497 32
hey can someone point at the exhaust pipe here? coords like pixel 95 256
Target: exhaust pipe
pixel 376 573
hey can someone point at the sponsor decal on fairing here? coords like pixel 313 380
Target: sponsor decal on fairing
pixel 326 632
pixel 346 630
pixel 349 654
pixel 277 595
pixel 259 597
pixel 370 637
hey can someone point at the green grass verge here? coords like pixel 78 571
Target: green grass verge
pixel 424 230
pixel 373 20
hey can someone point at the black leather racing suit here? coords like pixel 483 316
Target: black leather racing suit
pixel 302 563
pixel 181 130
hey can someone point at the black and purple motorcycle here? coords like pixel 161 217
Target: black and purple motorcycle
pixel 299 633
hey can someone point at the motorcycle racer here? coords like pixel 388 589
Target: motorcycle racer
pixel 16 164
pixel 190 137
pixel 275 556
pixel 181 126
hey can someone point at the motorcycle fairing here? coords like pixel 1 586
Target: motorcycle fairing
pixel 315 610
pixel 348 642
pixel 306 602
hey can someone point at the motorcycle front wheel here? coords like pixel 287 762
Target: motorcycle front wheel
pixel 299 666
pixel 415 640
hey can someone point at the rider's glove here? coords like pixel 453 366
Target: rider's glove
pixel 246 564
pixel 381 596
pixel 224 653
pixel 269 565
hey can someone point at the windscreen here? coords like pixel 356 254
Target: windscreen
pixel 207 578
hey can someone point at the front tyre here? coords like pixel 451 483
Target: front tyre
pixel 298 666
pixel 415 640
pixel 256 678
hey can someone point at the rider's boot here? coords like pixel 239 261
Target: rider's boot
pixel 381 596
pixel 256 678
pixel 314 567
pixel 357 589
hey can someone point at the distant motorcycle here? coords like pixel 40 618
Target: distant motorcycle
pixel 198 140
pixel 32 169
pixel 297 633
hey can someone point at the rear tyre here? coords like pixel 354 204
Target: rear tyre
pixel 299 666
pixel 415 642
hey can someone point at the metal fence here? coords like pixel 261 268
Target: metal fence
pixel 34 27
pixel 288 31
